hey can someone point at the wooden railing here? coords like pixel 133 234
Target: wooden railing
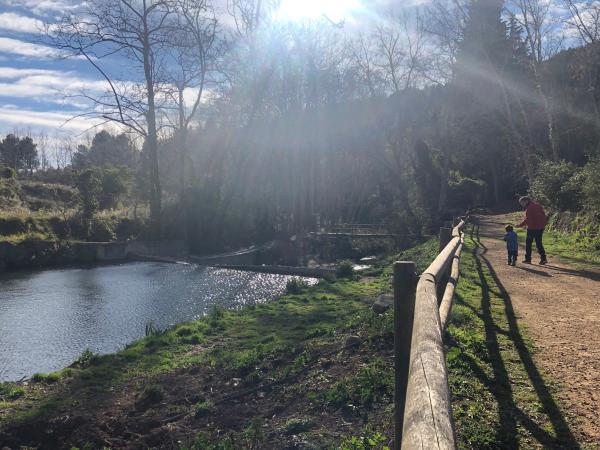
pixel 423 413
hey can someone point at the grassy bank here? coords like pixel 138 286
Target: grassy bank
pixel 312 369
pixel 501 398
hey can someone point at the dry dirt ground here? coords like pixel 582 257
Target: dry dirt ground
pixel 560 306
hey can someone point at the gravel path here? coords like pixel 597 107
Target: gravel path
pixel 560 306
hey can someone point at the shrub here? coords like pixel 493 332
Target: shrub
pixel 557 185
pixel 128 229
pixel 102 230
pixel 11 392
pixel 590 185
pixel 204 408
pixel 184 331
pixel 465 192
pixel 7 172
pixel 345 270
pixel 47 378
pixel 295 285
pixel 116 182
pixel 151 330
pixel 368 441
pixel 296 426
pixel 86 359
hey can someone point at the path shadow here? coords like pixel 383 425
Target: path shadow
pixel 590 274
pixel 534 271
pixel 511 416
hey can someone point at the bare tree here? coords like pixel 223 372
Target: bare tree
pixel 363 55
pixel 444 21
pixel 544 39
pixel 138 31
pixel 584 18
pixel 196 51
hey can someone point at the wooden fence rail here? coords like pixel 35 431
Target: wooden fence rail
pixel 423 417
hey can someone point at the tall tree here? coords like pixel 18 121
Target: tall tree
pixel 138 30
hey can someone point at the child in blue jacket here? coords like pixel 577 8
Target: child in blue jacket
pixel 512 245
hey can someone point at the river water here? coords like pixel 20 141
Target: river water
pixel 48 318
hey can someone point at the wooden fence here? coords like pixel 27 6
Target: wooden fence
pixel 423 414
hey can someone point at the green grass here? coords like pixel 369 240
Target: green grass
pixel 501 399
pixel 575 249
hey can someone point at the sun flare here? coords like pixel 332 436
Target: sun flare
pixel 335 10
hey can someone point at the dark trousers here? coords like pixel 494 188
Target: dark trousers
pixel 512 256
pixel 534 235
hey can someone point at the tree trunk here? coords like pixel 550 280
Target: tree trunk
pixel 152 141
pixel 182 166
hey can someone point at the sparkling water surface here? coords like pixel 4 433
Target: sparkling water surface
pixel 48 318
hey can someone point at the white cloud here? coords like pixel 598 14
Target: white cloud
pixel 22 24
pixel 49 120
pixel 50 86
pixel 27 49
pixel 44 7
pixel 14 73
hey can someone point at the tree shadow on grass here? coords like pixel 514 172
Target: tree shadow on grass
pixel 511 416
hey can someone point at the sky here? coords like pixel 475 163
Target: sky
pixel 33 78
pixel 38 88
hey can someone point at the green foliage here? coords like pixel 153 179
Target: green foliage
pixel 47 378
pixel 116 182
pixel 102 229
pixel 345 270
pixel 151 330
pixel 295 285
pixel 19 153
pixel 298 425
pixel 202 442
pixel 89 183
pixel 7 172
pixel 184 331
pixel 557 186
pixel 86 359
pixel 368 441
pixel 204 408
pixel 590 186
pixel 254 433
pixel 10 391
pixel 465 192
pixel 372 383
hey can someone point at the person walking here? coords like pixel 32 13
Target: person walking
pixel 535 221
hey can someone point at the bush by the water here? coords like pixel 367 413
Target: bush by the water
pixel 345 269
pixel 7 172
pixel 295 285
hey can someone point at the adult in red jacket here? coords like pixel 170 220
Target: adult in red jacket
pixel 535 220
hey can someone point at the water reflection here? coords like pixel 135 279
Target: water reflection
pixel 49 318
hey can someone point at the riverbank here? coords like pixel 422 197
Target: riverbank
pixel 309 370
pixel 33 254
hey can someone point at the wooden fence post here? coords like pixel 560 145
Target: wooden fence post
pixel 445 237
pixel 404 312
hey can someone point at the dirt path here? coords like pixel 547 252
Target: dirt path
pixel 560 306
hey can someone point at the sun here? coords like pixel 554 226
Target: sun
pixel 335 10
